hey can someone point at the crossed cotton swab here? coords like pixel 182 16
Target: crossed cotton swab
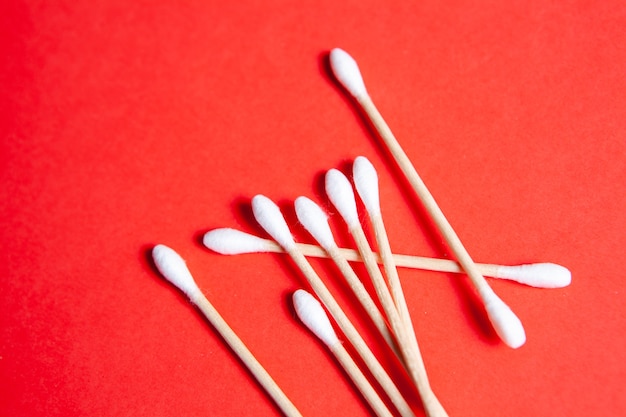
pixel 505 322
pixel 311 313
pixel 229 241
pixel 268 215
pixel 173 268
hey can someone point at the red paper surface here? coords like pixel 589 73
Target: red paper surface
pixel 127 124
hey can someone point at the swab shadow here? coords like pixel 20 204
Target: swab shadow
pixel 471 305
pixel 198 239
pixel 145 257
pixel 146 261
pixel 473 309
pixel 241 207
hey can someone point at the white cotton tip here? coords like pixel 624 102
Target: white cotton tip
pixel 366 184
pixel 347 72
pixel 311 313
pixel 541 275
pixel 505 322
pixel 340 193
pixel 173 268
pixel 268 215
pixel 229 241
pixel 315 221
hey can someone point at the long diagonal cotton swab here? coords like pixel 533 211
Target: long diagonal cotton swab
pixel 505 322
pixel 311 313
pixel 315 222
pixel 228 241
pixel 340 193
pixel 173 268
pixel 268 215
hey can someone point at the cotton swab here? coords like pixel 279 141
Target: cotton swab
pixel 311 313
pixel 268 215
pixel 228 241
pixel 314 220
pixel 366 183
pixel 505 322
pixel 173 268
pixel 339 191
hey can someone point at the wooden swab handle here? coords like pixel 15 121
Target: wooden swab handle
pixel 363 385
pixel 240 349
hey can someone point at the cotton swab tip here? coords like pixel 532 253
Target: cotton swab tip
pixel 311 313
pixel 507 325
pixel 542 275
pixel 340 193
pixel 227 241
pixel 347 72
pixel 268 215
pixel 315 221
pixel 366 183
pixel 172 266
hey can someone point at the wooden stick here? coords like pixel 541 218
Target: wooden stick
pixel 314 317
pixel 228 241
pixel 268 215
pixel 401 260
pixel 173 268
pixel 505 322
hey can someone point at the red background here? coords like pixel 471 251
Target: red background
pixel 127 124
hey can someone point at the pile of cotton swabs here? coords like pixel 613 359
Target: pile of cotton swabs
pixel 393 322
